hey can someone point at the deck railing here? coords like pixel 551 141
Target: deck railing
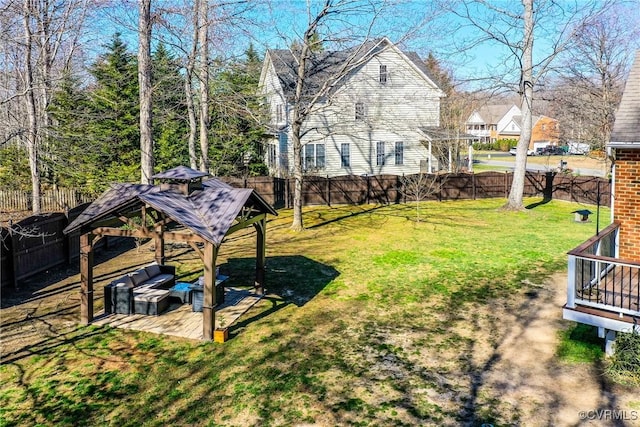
pixel 598 278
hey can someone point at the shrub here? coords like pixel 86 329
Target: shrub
pixel 624 366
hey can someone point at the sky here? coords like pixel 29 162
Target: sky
pixel 418 25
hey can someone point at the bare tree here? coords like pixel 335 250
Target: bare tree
pixel 591 76
pixel 32 134
pixel 203 75
pixel 39 41
pixel 188 91
pixel 420 187
pixel 311 95
pixel 514 28
pixel 145 91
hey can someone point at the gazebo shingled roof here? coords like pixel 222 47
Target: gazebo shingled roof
pixel 180 172
pixel 207 211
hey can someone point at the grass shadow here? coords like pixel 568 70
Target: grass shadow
pixel 294 278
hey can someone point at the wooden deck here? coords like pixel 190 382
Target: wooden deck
pixel 625 292
pixel 179 320
pixel 620 288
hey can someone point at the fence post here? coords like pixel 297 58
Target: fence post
pixel 473 185
pixel 571 189
pixel 506 184
pixel 328 191
pixel 368 188
pixel 286 193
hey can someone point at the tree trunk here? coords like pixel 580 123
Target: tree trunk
pixel 296 127
pixel 203 41
pixel 188 91
pixel 297 223
pixel 144 81
pixel 32 131
pixel 515 200
pixel 191 114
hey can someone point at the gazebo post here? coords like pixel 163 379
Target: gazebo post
pixel 261 240
pixel 209 297
pixel 159 244
pixel 86 278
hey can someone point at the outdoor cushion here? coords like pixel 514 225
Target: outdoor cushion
pixel 124 281
pixel 139 276
pixel 153 270
pixel 158 280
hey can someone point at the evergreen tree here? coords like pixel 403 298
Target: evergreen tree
pixel 114 128
pixel 236 133
pixel 73 158
pixel 170 127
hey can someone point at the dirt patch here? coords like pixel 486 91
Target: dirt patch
pixel 527 376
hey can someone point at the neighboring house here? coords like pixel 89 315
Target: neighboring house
pixel 504 121
pixel 372 121
pixel 604 272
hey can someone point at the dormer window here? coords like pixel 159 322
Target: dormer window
pixel 383 74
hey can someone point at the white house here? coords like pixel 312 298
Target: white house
pixel 372 121
pixel 491 121
pixel 504 121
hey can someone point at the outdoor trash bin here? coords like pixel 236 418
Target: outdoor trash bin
pixel 197 297
pixel 197 294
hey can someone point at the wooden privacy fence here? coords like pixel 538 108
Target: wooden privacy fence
pixel 51 200
pixel 37 243
pixel 355 190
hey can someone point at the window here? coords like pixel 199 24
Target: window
pixel 284 150
pixel 380 153
pixel 271 155
pixel 279 115
pixel 313 156
pixel 320 156
pixel 399 153
pixel 383 74
pixel 359 111
pixel 345 155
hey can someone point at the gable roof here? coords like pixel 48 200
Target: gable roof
pixel 626 128
pixel 491 114
pixel 434 133
pixel 326 65
pixel 208 213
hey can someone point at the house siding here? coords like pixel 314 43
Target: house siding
pixel 393 112
pixel 627 201
pixel 545 129
pixel 504 124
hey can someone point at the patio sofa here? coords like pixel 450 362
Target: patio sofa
pixel 144 291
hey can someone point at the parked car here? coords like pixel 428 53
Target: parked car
pixel 529 152
pixel 550 150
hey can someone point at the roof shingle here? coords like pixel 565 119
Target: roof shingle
pixel 626 128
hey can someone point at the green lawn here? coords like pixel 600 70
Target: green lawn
pixel 372 319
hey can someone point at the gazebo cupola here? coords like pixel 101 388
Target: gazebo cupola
pixel 181 179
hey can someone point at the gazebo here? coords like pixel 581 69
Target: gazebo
pixel 182 207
